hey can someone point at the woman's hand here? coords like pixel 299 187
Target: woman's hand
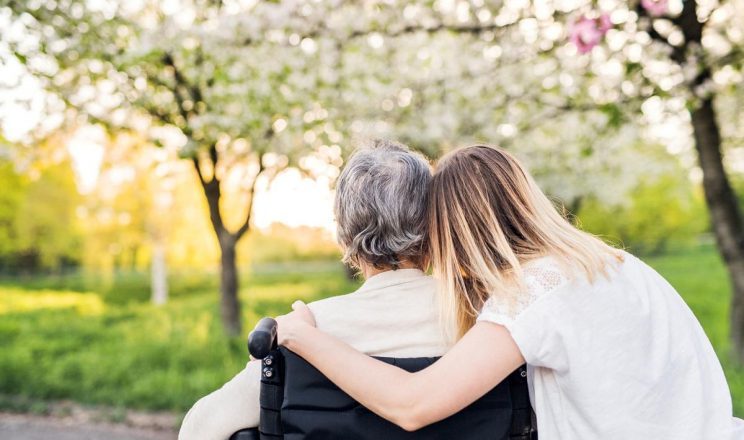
pixel 294 324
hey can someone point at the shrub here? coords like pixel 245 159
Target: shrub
pixel 657 214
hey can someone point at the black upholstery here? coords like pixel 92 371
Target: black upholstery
pixel 299 403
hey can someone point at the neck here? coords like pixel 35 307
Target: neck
pixel 369 270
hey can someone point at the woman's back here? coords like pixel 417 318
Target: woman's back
pixel 622 358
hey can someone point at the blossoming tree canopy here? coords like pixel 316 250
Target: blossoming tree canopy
pixel 573 86
pixel 702 56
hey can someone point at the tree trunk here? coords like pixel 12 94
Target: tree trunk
pixel 724 212
pixel 159 274
pixel 229 303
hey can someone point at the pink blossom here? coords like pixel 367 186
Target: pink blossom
pixel 655 8
pixel 587 32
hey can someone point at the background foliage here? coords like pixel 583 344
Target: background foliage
pixel 68 343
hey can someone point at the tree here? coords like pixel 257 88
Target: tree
pixel 510 61
pixel 229 111
pixel 679 56
pixel 128 210
pixel 247 88
pixel 38 228
pixel 701 53
pixel 14 186
pixel 46 220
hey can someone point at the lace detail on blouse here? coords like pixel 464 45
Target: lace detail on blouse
pixel 543 276
pixel 539 278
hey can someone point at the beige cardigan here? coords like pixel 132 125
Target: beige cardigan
pixel 393 314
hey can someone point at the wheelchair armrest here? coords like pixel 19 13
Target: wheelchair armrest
pixel 262 344
pixel 246 434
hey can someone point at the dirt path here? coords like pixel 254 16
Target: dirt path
pixel 28 427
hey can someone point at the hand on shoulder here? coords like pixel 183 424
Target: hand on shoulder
pixel 294 324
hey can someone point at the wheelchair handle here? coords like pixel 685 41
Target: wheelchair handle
pixel 263 338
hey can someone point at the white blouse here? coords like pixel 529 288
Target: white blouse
pixel 620 358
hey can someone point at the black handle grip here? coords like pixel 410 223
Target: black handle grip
pixel 263 338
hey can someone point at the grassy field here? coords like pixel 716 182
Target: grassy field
pixel 100 342
pixel 65 344
pixel 701 279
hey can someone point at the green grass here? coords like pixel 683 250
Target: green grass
pixel 62 344
pixel 701 279
pixel 99 341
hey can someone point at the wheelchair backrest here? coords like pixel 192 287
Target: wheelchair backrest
pixel 299 403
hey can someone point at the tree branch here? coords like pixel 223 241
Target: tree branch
pixel 466 28
pixel 688 22
pixel 183 83
pixel 251 194
pixel 197 166
pixel 214 158
pixel 678 52
pixel 213 193
pixel 180 81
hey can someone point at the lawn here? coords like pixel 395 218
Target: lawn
pixel 101 342
pixel 701 279
pixel 101 349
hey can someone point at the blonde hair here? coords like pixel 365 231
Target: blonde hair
pixel 488 217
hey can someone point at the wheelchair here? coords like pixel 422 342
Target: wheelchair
pixel 299 403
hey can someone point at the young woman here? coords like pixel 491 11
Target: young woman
pixel 613 352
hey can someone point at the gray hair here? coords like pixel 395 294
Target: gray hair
pixel 380 206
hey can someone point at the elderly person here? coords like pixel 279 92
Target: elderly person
pixel 380 208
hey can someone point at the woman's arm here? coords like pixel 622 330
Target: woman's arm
pixel 485 356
